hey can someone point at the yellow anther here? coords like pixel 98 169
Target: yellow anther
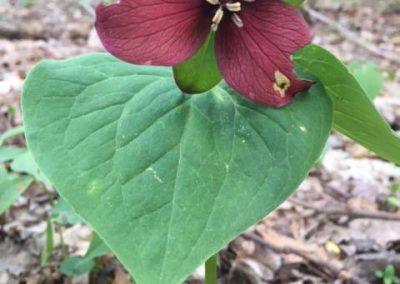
pixel 281 84
pixel 213 2
pixel 233 7
pixel 237 20
pixel 217 19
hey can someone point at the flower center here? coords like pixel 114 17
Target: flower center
pixel 224 7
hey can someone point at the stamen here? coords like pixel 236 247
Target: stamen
pixel 282 83
pixel 233 7
pixel 237 20
pixel 230 7
pixel 217 19
pixel 213 2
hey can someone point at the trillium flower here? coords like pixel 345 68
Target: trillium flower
pixel 254 40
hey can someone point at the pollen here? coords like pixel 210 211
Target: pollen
pixel 281 84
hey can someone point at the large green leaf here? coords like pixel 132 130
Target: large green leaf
pixel 354 114
pixel 164 178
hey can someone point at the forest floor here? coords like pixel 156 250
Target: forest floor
pixel 341 226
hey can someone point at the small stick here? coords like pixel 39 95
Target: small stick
pixel 351 213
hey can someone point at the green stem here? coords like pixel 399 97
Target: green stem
pixel 211 270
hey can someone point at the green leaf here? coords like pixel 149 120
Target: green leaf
pixel 11 187
pixel 63 214
pixel 24 163
pixel 369 78
pixel 9 153
pixel 11 133
pixel 354 114
pixel 388 274
pixel 76 266
pixel 166 179
pixel 394 201
pixel 379 274
pixel 97 248
pixel 21 159
pixel 21 162
pixel 199 73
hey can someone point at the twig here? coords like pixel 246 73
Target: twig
pixel 351 213
pixel 352 36
pixel 330 268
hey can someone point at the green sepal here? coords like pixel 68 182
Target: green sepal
pixel 199 73
pixel 295 3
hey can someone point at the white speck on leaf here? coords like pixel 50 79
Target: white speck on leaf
pixel 302 128
pixel 219 97
pixel 155 175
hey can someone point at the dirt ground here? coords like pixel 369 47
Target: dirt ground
pixel 337 228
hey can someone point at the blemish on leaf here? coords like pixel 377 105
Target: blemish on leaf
pixel 218 96
pixel 302 128
pixel 155 175
pixel 93 187
pixel 281 84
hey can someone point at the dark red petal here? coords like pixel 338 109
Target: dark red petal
pixel 153 32
pixel 253 57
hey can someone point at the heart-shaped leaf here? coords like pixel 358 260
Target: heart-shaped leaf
pixel 164 178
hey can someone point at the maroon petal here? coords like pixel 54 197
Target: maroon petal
pixel 153 32
pixel 256 59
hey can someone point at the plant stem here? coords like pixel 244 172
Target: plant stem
pixel 211 270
